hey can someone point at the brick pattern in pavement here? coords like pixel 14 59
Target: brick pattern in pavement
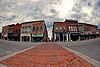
pixel 46 55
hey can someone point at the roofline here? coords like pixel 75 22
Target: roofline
pixel 32 21
pixel 59 22
pixel 70 20
pixel 88 24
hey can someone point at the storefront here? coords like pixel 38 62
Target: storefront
pixel 4 36
pixel 74 36
pixel 16 37
pixel 10 36
pixel 25 37
pixel 37 38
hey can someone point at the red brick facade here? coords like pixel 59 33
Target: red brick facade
pixel 60 27
pixel 66 31
pixel 16 34
pixel 72 25
pixel 5 32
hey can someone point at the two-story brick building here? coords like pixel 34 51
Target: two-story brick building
pixel 66 31
pixel 88 31
pixel 60 31
pixel 39 31
pixel 26 31
pixel 73 29
pixel 34 31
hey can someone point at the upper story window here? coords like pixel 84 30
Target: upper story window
pixel 76 28
pixel 69 28
pixel 56 28
pixel 23 29
pixel 33 28
pixel 41 28
pixel 81 29
pixel 61 28
pixel 28 29
pixel 36 28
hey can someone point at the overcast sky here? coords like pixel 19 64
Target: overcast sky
pixel 14 11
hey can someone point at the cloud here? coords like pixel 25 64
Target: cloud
pixel 13 11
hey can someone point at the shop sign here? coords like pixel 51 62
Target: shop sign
pixel 37 35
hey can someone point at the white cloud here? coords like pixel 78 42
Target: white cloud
pixel 13 11
pixel 87 10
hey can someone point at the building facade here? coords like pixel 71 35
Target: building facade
pixel 88 31
pixel 66 31
pixel 10 32
pixel 39 32
pixel 16 33
pixel 34 31
pixel 73 29
pixel 26 31
pixel 60 31
pixel 5 32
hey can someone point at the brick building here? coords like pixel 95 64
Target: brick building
pixel 66 31
pixel 26 31
pixel 39 32
pixel 60 31
pixel 88 31
pixel 5 32
pixel 34 31
pixel 16 32
pixel 73 29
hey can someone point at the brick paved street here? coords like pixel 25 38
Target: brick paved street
pixel 46 55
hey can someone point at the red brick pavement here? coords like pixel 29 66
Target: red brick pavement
pixel 46 55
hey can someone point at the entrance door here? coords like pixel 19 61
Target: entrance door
pixel 74 36
pixel 61 36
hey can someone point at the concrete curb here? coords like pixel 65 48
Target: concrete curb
pixel 1 65
pixel 85 57
pixel 10 55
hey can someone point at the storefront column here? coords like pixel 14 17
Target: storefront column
pixel 79 38
pixel 69 37
pixel 54 36
pixel 66 36
pixel 30 39
pixel 20 38
pixel 63 37
pixel 59 37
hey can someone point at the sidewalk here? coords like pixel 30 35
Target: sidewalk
pixel 46 55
